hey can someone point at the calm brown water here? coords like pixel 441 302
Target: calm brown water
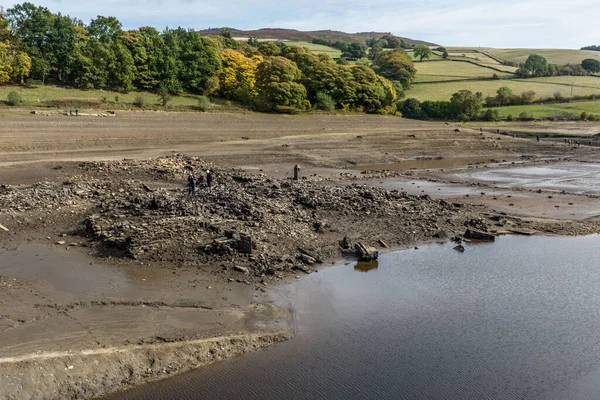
pixel 517 319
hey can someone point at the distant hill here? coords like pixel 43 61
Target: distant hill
pixel 306 36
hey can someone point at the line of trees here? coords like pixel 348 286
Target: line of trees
pixel 537 66
pixel 267 76
pixel 592 48
pixel 464 105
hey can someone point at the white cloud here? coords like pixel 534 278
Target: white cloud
pixel 506 23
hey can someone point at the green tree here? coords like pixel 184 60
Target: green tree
pixel 393 42
pixel 146 47
pixel 31 25
pixel 537 65
pixel 277 84
pixel 253 42
pixel 503 95
pixel 197 60
pixel 445 55
pixel 422 51
pixel 269 49
pixel 465 102
pixel 396 65
pixel 354 51
pixel 4 32
pixel 591 65
pixel 411 108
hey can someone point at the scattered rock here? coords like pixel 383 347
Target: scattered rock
pixel 365 253
pixel 477 235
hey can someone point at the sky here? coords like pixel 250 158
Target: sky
pixel 491 23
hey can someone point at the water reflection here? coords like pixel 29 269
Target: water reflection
pixel 366 266
pixel 516 319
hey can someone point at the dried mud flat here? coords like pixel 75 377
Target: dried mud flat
pixel 112 275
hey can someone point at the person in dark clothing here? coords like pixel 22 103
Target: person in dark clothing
pixel 191 184
pixel 209 178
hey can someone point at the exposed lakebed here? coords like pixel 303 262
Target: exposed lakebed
pixel 517 319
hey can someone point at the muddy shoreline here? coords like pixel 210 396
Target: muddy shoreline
pixel 135 279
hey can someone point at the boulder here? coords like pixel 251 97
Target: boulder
pixel 477 235
pixel 245 244
pixel 365 253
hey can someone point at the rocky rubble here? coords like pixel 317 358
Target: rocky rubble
pixel 246 226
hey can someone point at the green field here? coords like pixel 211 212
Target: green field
pixel 317 48
pixel 562 110
pixel 543 87
pixel 556 56
pixel 37 95
pixel 476 57
pixel 452 70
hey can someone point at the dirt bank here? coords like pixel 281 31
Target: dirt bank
pixel 91 373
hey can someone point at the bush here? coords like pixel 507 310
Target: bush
pixel 139 101
pixel 164 95
pixel 593 117
pixel 558 95
pixel 490 115
pixel 33 82
pixel 204 103
pixel 463 118
pixel 117 99
pixel 410 108
pixel 324 102
pixel 509 117
pixel 14 98
pixel 524 116
pixel 585 116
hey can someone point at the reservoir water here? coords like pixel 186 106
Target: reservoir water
pixel 516 319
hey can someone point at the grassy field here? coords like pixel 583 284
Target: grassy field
pixel 556 56
pixel 317 48
pixel 544 88
pixel 37 95
pixel 452 70
pixel 477 57
pixel 562 110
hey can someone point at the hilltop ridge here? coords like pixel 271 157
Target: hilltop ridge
pixel 305 36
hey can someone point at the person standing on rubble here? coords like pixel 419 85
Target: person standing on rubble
pixel 209 178
pixel 191 184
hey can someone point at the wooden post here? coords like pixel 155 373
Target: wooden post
pixel 296 172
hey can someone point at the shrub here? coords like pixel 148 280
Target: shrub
pixel 593 117
pixel 410 108
pixel 490 115
pixel 33 82
pixel 324 102
pixel 509 117
pixel 584 116
pixel 204 103
pixel 557 95
pixel 164 95
pixel 463 118
pixel 524 116
pixel 13 98
pixel 117 99
pixel 139 101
